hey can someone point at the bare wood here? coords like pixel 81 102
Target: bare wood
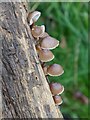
pixel 25 91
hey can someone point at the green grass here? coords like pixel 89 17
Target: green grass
pixel 69 20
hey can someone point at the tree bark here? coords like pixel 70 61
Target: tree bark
pixel 25 90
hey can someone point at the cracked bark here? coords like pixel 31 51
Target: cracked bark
pixel 25 91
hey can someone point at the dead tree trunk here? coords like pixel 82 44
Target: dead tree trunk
pixel 25 91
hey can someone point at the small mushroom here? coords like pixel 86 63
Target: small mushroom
pixel 33 17
pixel 45 34
pixel 55 70
pixel 45 55
pixel 38 31
pixel 49 43
pixel 56 88
pixel 57 99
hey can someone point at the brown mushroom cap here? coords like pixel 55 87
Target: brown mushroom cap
pixel 49 43
pixel 45 34
pixel 33 17
pixel 56 88
pixel 45 55
pixel 38 31
pixel 57 100
pixel 55 70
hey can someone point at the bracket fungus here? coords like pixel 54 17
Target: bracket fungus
pixel 45 55
pixel 57 99
pixel 38 31
pixel 56 88
pixel 33 17
pixel 49 43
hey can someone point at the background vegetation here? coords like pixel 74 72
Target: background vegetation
pixel 68 22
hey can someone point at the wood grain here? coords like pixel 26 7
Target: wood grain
pixel 25 91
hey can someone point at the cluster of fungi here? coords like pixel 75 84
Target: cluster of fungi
pixel 45 43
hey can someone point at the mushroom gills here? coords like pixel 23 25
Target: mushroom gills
pixel 33 17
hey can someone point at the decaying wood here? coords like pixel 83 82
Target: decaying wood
pixel 25 91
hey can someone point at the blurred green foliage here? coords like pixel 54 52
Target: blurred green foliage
pixel 68 22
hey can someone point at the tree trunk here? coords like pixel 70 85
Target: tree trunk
pixel 25 91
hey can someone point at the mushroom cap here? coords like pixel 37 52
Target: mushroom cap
pixel 38 31
pixel 57 99
pixel 49 43
pixel 45 55
pixel 33 17
pixel 55 70
pixel 45 34
pixel 56 88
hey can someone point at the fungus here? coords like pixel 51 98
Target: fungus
pixel 57 99
pixel 45 34
pixel 49 43
pixel 33 17
pixel 55 70
pixel 38 31
pixel 56 88
pixel 45 55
